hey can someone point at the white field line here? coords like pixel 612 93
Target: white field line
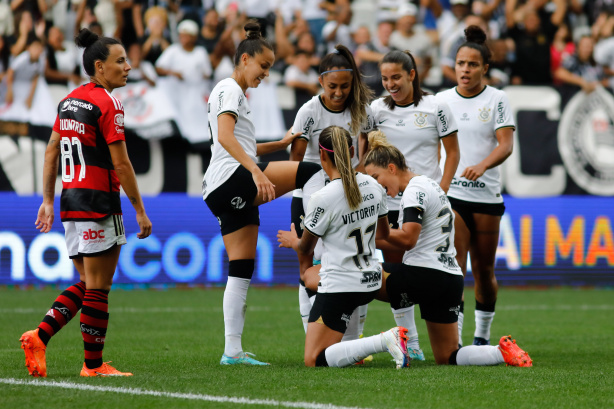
pixel 175 310
pixel 173 395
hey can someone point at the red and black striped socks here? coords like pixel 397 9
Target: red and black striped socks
pixel 63 309
pixel 94 322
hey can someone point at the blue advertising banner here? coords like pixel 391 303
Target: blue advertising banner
pixel 565 240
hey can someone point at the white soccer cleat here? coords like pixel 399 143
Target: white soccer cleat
pixel 396 343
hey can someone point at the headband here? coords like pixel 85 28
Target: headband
pixel 327 150
pixel 343 69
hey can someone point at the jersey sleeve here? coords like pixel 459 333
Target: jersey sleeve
pixel 111 122
pixel 383 204
pixel 304 122
pixel 446 124
pixel 415 196
pixel 229 99
pixel 317 217
pixel 503 113
pixel 370 124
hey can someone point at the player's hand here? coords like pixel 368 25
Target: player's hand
pixel 289 137
pixel 288 239
pixel 473 172
pixel 266 189
pixel 144 225
pixel 44 219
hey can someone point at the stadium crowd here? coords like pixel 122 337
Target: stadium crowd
pixel 534 42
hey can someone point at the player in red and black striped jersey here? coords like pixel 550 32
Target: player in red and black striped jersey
pixel 88 140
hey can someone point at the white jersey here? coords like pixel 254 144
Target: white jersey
pixel 348 236
pixel 478 118
pixel 416 132
pixel 435 245
pixel 313 117
pixel 227 97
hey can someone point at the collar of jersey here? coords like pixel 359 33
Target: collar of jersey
pixel 328 109
pixel 462 96
pixel 404 106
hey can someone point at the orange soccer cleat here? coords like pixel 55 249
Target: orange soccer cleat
pixel 512 354
pixel 34 349
pixel 104 370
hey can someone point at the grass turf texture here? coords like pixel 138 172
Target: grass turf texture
pixel 172 341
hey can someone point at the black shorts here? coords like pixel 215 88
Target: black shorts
pixel 467 209
pixel 438 293
pixel 335 309
pixel 233 202
pixel 297 214
pixel 393 218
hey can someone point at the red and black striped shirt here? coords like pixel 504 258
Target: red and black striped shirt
pixel 89 119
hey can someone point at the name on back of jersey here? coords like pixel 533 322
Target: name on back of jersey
pixel 362 213
pixel 72 125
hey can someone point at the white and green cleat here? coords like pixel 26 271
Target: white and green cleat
pixel 243 358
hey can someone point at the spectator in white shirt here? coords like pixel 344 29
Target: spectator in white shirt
pixel 301 76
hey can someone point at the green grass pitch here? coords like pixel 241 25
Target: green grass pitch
pixel 172 341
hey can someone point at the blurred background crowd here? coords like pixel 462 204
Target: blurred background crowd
pixel 534 42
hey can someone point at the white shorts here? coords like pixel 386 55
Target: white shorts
pixel 94 237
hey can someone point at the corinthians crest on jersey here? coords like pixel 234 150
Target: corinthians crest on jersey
pixel 586 141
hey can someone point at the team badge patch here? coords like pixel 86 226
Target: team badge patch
pixel 119 119
pixel 420 120
pixel 484 114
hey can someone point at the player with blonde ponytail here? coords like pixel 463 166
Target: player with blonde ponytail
pixel 347 215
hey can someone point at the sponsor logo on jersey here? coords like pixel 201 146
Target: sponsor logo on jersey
pixel 371 277
pixel 474 184
pixel 308 125
pixel 444 199
pixel 420 197
pixel 365 183
pixel 119 119
pixel 316 215
pixel 420 120
pixel 237 203
pixel 93 234
pixel 444 121
pixel 74 105
pixel 220 101
pixel 500 112
pixel 465 117
pixel 72 125
pixel 484 114
pixel 368 197
pixel 241 100
pixel 586 143
pixel 400 123
pixel 381 122
pixel 370 123
pixel 447 261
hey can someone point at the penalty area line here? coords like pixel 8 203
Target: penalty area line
pixel 173 395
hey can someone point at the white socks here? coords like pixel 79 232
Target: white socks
pixel 348 353
pixel 304 305
pixel 362 318
pixel 404 317
pixel 483 321
pixel 479 355
pixel 351 332
pixel 234 307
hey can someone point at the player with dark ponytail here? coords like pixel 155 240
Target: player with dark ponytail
pixel 89 136
pixel 235 184
pixel 485 135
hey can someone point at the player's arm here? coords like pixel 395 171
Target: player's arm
pixel 44 219
pixel 505 137
pixel 450 144
pixel 363 149
pixel 269 147
pixel 127 179
pixel 298 149
pixel 382 232
pixel 406 237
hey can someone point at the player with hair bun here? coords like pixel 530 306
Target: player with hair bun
pixel 485 136
pixel 89 136
pixel 416 123
pixel 428 275
pixel 345 103
pixel 347 215
pixel 235 184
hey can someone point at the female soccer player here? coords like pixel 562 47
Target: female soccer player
pixel 348 215
pixel 344 103
pixel 429 275
pixel 89 136
pixel 415 123
pixel 485 135
pixel 235 184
